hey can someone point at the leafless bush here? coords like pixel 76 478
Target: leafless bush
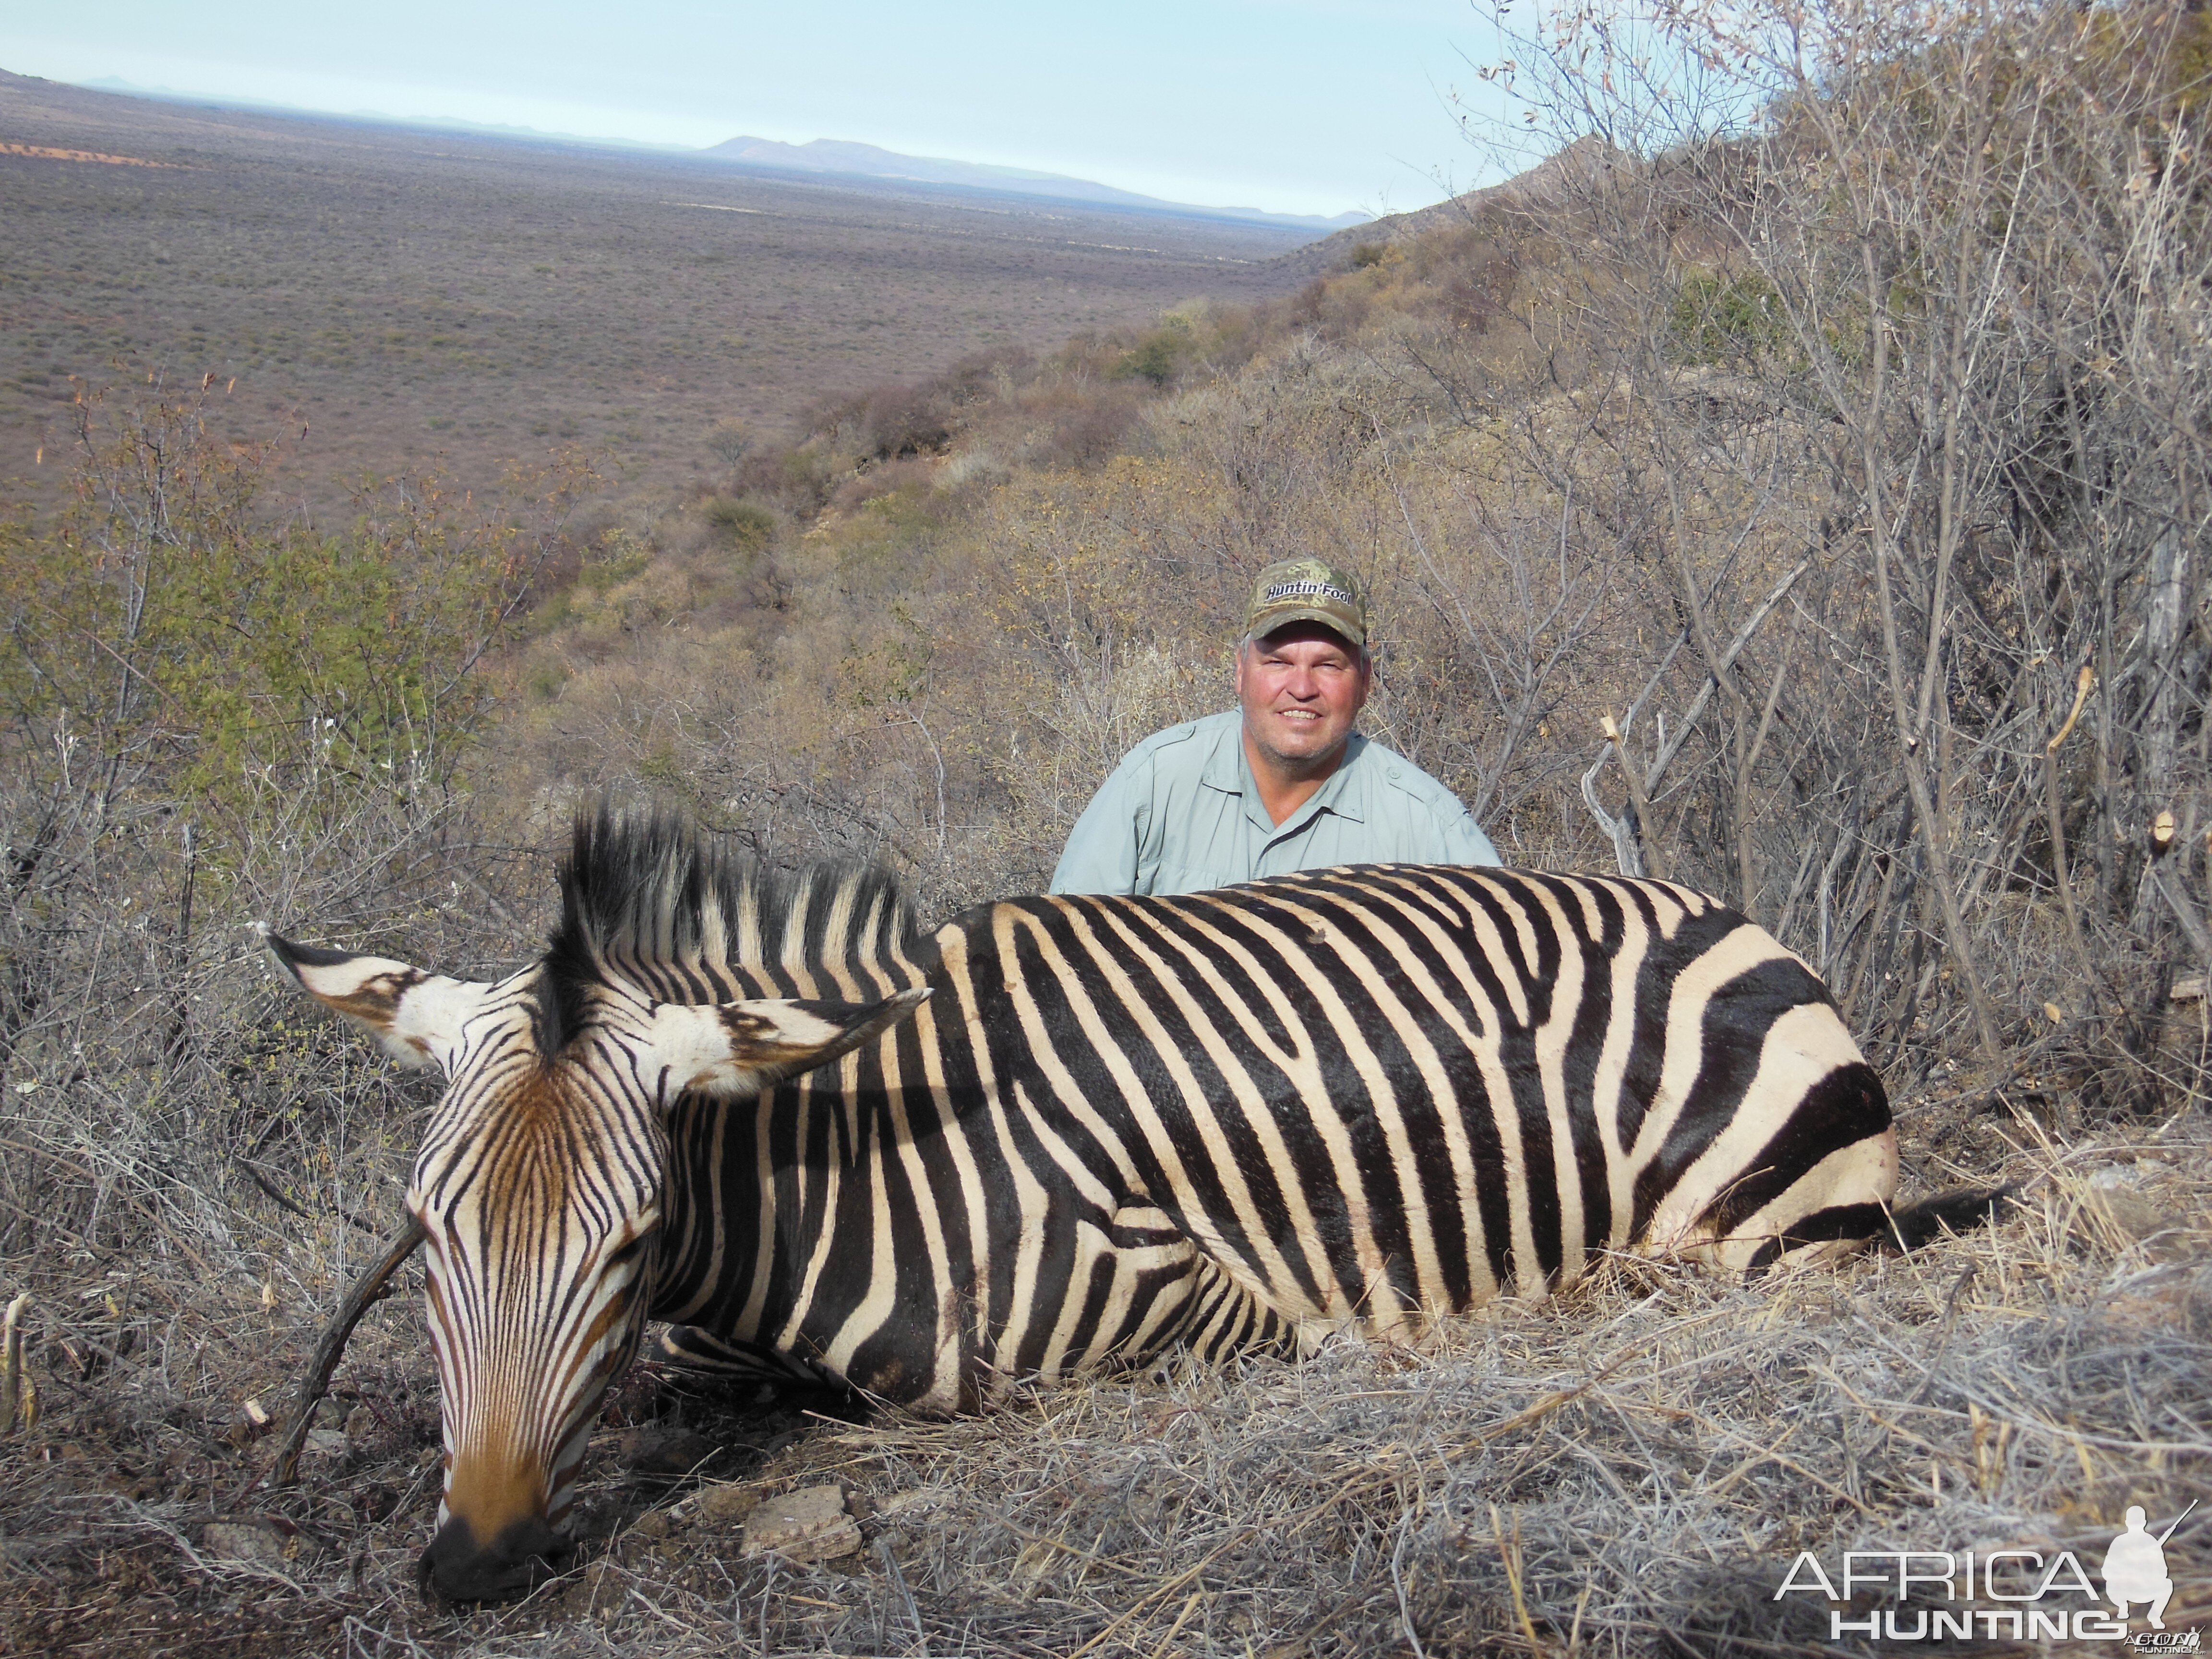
pixel 1901 319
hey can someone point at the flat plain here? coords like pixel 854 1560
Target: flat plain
pixel 387 298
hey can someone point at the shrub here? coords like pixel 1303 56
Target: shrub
pixel 1721 320
pixel 729 441
pixel 740 524
pixel 1159 356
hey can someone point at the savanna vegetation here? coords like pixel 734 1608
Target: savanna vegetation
pixel 386 297
pixel 1796 489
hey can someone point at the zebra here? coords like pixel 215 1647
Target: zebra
pixel 1061 1134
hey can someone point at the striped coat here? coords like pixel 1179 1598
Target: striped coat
pixel 1357 1098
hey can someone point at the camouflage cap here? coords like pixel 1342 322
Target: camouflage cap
pixel 1307 590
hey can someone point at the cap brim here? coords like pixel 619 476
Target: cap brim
pixel 1266 622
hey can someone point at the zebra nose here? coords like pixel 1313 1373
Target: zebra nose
pixel 527 1553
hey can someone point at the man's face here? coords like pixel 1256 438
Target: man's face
pixel 1301 687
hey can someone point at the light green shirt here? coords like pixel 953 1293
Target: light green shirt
pixel 1182 813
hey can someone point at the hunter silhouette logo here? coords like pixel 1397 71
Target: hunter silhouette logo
pixel 2134 1567
pixel 2038 1597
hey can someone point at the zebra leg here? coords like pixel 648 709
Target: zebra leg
pixel 696 1349
pixel 1907 1227
pixel 1223 1320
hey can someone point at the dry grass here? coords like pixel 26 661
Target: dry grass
pixel 1627 1470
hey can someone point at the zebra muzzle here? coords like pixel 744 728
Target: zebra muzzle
pixel 456 1567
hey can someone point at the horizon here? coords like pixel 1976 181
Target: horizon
pixel 117 87
pixel 1306 107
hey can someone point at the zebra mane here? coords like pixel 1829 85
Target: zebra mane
pixel 646 900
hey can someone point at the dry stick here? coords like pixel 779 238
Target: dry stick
pixel 1631 835
pixel 19 1396
pixel 1620 831
pixel 1640 802
pixel 1748 867
pixel 317 1382
pixel 1163 1591
pixel 898 1582
pixel 1511 1561
pixel 1398 1582
pixel 2192 925
pixel 1182 1618
pixel 2083 682
pixel 1880 911
pixel 1742 637
pixel 283 1202
pixel 1939 872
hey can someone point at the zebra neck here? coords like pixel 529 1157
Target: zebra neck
pixel 759 1189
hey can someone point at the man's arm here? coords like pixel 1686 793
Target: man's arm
pixel 1102 850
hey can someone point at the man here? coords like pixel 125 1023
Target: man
pixel 1282 782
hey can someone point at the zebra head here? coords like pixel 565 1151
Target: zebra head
pixel 539 1187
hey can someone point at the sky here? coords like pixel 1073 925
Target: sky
pixel 1294 106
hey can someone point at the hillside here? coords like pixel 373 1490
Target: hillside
pixel 1840 552
pixel 1562 176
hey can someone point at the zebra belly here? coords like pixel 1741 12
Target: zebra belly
pixel 1113 1291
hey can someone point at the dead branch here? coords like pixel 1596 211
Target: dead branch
pixel 366 1293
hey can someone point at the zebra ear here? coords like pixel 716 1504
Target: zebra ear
pixel 417 1017
pixel 738 1049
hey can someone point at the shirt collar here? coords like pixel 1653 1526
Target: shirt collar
pixel 1228 770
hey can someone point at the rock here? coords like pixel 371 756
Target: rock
pixel 2115 1195
pixel 720 1505
pixel 651 1526
pixel 326 1446
pixel 807 1525
pixel 243 1540
pixel 2134 1215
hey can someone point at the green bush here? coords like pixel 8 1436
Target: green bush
pixel 1722 320
pixel 738 523
pixel 1159 356
pixel 202 654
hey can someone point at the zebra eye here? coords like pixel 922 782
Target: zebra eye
pixel 628 1252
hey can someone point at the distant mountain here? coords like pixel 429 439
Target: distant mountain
pixel 836 156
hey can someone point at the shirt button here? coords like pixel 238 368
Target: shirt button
pixel 1392 774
